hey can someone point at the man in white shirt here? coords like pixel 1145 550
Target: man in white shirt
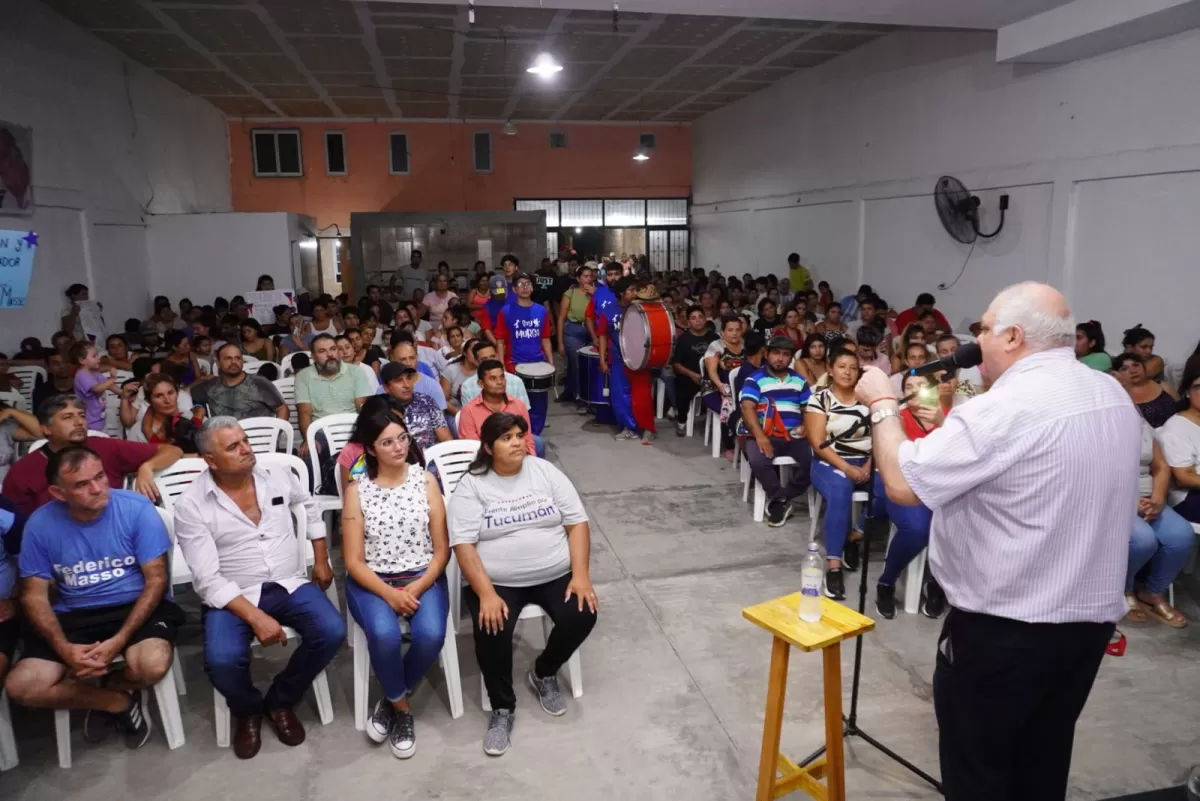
pixel 413 275
pixel 1034 488
pixel 235 529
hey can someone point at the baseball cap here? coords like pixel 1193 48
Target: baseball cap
pixel 498 287
pixel 781 343
pixel 393 370
pixel 148 327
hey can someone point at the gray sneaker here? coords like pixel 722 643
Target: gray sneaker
pixel 380 722
pixel 625 435
pixel 496 739
pixel 549 696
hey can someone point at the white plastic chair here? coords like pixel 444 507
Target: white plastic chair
pixel 337 429
pixel 712 426
pixel 760 494
pixel 451 460
pixel 166 691
pixel 15 400
pixel 171 483
pixel 693 412
pixel 287 388
pixel 265 434
pixel 252 366
pixel 39 443
pixel 661 388
pixel 320 685
pixel 300 470
pixel 448 659
pixel 30 375
pixel 8 743
pixel 285 364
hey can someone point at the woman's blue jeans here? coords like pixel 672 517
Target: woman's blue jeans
pixel 398 672
pixel 912 522
pixel 575 336
pixel 1164 543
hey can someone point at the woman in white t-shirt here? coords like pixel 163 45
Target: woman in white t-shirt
pixel 521 536
pixel 1180 441
pixel 396 550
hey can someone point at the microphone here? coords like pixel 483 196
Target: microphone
pixel 968 355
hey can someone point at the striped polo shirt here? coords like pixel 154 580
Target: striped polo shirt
pixel 785 396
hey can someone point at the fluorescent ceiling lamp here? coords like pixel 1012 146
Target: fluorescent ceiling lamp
pixel 308 244
pixel 640 156
pixel 544 66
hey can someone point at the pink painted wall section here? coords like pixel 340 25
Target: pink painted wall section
pixel 597 162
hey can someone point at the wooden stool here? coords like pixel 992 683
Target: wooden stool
pixel 778 775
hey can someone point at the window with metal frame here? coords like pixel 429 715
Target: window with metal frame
pixel 276 152
pixel 400 157
pixel 482 151
pixel 335 152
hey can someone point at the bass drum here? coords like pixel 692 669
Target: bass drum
pixel 647 336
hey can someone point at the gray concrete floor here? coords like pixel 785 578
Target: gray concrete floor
pixel 674 679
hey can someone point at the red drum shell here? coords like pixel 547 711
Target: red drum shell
pixel 647 336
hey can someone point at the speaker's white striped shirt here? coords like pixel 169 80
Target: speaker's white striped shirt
pixel 1034 489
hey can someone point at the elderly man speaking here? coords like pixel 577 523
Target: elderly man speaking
pixel 1033 488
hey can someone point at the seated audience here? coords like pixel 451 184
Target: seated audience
pixel 440 299
pixel 235 393
pixel 405 352
pixel 722 357
pixel 349 355
pixel 850 303
pixel 235 529
pixel 12 530
pixel 1089 346
pixel 1162 542
pixel 968 382
pixel 915 355
pixel 772 403
pixel 871 347
pixel 90 383
pixel 255 342
pixel 768 319
pixel 180 356
pixel 64 425
pixel 351 460
pixel 15 426
pixel 117 353
pixel 794 327
pixel 395 547
pixel 328 387
pixel 520 533
pixel 841 467
pixel 1140 341
pixel 105 552
pixel 60 378
pixel 425 421
pixel 925 304
pixel 914 334
pixel 514 387
pixel 690 347
pixel 452 349
pixel 1156 402
pixel 1179 438
pixel 492 400
pixel 162 419
pixel 810 361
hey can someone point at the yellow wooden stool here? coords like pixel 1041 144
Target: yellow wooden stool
pixel 778 775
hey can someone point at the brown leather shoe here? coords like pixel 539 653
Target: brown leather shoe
pixel 247 736
pixel 287 726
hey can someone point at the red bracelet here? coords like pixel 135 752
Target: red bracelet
pixel 877 400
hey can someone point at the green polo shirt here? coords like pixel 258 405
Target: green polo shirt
pixel 332 395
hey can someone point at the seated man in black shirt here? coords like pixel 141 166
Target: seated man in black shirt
pixel 685 362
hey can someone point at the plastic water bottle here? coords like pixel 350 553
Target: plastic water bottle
pixel 812 576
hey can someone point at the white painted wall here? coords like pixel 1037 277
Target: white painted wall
pixel 113 142
pixel 200 256
pixel 1101 160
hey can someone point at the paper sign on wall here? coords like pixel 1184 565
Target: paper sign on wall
pixel 17 251
pixel 262 304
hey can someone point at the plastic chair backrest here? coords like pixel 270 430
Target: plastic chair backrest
pixel 252 367
pixel 285 364
pixel 39 443
pixel 15 400
pixel 337 429
pixel 287 388
pixel 452 459
pixel 178 477
pixel 264 434
pixel 29 374
pixel 291 462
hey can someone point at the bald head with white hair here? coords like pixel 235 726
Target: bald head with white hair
pixel 1024 319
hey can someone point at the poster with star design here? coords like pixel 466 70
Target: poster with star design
pixel 17 251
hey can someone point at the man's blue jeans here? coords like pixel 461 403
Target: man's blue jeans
pixel 227 640
pixel 575 336
pixel 398 672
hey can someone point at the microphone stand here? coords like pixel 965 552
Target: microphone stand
pixel 871 527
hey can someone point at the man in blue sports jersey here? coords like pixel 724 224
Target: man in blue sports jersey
pixel 523 337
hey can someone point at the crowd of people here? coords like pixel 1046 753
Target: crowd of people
pixel 772 362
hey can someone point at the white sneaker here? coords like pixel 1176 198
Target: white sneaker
pixel 403 737
pixel 380 722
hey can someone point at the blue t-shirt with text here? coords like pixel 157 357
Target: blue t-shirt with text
pixel 524 327
pixel 96 563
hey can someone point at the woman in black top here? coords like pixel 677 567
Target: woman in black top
pixel 690 347
pixel 768 319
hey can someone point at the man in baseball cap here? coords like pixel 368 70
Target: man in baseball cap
pixel 772 403
pixel 426 424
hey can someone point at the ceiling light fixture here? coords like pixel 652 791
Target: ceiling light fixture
pixel 544 66
pixel 579 230
pixel 509 128
pixel 640 156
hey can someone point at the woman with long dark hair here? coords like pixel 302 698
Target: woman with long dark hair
pixel 395 547
pixel 810 361
pixel 1155 401
pixel 1089 346
pixel 521 536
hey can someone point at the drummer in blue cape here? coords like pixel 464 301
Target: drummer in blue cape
pixel 522 334
pixel 629 393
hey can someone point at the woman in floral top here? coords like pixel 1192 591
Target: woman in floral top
pixel 395 546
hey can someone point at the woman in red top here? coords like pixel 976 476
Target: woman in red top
pixel 794 328
pixel 163 423
pixel 923 413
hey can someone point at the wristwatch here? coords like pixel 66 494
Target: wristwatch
pixel 883 414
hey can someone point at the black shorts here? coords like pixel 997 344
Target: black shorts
pixel 9 630
pixel 85 626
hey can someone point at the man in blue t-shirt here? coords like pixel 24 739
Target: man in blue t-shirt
pixel 523 337
pixel 106 553
pixel 772 402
